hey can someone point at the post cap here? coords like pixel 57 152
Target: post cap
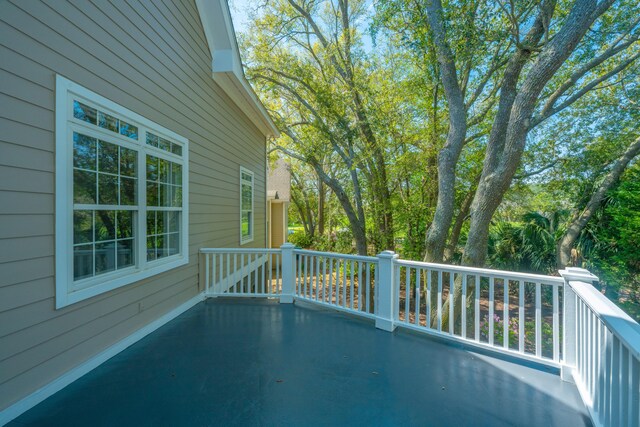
pixel 288 246
pixel 388 254
pixel 579 274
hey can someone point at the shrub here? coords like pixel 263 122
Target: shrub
pixel 301 239
pixel 529 338
pixel 498 329
pixel 343 242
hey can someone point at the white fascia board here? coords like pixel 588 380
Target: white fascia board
pixel 225 61
pixel 226 66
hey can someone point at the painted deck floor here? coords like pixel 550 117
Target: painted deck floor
pixel 258 363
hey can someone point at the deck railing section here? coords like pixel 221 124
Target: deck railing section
pixel 243 272
pixel 512 312
pixel 559 321
pixel 345 282
pixel 603 349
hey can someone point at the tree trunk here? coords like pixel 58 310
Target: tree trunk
pixel 387 218
pixel 302 214
pixel 457 225
pixel 504 153
pixel 300 199
pixel 355 221
pixel 321 200
pixel 310 217
pixel 381 194
pixel 354 215
pixel 448 156
pixel 568 240
pixel 512 123
pixel 432 158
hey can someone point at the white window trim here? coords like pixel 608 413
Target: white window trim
pixel 249 239
pixel 65 292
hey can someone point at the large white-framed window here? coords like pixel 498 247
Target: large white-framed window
pixel 246 205
pixel 121 195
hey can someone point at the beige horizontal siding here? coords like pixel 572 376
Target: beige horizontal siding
pixel 24 136
pixel 26 356
pixel 14 202
pixel 152 58
pixel 26 180
pixel 21 294
pixel 14 226
pixel 20 156
pixel 20 248
pixel 39 375
pixel 37 314
pixel 156 77
pixel 17 272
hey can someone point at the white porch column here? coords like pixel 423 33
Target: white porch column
pixel 288 273
pixel 385 292
pixel 569 306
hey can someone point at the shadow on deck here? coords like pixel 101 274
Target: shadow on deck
pixel 257 362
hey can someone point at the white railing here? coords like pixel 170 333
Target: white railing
pixel 243 272
pixel 345 282
pixel 603 353
pixel 511 312
pixel 559 321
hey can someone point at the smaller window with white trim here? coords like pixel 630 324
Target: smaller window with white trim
pixel 246 206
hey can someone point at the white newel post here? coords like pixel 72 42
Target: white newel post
pixel 385 292
pixel 288 274
pixel 569 305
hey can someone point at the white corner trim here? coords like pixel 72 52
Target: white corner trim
pixel 70 376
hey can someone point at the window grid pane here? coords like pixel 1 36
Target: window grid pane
pixel 164 182
pixel 105 173
pixel 104 120
pixel 163 144
pixel 105 176
pixel 163 233
pixel 103 241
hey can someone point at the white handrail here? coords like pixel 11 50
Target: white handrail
pixel 620 323
pixel 497 319
pixel 602 353
pixel 239 251
pixel 347 282
pixel 336 255
pixel 482 271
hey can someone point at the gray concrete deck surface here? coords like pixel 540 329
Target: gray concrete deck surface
pixel 259 363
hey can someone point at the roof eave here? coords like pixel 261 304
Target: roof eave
pixel 226 66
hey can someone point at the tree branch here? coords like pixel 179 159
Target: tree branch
pixel 497 64
pixel 613 50
pixel 537 171
pixel 582 218
pixel 488 106
pixel 548 112
pixel 321 37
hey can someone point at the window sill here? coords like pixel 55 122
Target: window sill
pixel 119 281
